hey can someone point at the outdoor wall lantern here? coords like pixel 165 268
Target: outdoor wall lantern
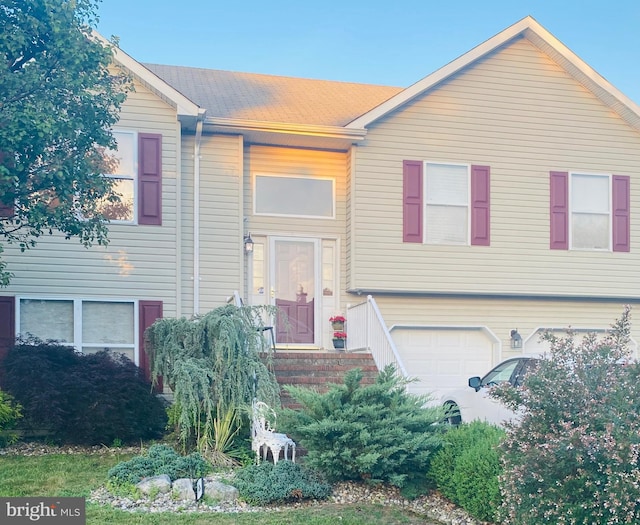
pixel 248 244
pixel 516 339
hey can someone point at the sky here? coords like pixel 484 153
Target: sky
pixel 390 42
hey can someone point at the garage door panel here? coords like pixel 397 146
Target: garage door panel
pixel 442 360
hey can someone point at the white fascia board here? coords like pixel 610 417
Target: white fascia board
pixel 310 130
pixel 528 28
pixel 184 106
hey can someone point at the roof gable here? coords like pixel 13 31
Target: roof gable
pixel 530 29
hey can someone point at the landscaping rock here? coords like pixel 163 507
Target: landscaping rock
pixel 161 484
pixel 218 491
pixel 183 489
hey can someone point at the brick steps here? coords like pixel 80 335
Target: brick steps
pixel 318 369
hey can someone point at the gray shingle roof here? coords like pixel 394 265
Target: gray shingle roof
pixel 251 96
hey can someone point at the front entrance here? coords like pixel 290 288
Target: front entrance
pixel 294 289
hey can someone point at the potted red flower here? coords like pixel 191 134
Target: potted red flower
pixel 339 339
pixel 337 322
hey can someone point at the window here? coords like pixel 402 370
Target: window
pixel 124 173
pixel 589 212
pixel 294 196
pixel 88 326
pixel 446 203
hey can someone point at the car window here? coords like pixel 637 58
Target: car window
pixel 501 373
pixel 527 366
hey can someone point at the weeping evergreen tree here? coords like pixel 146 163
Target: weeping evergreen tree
pixel 212 364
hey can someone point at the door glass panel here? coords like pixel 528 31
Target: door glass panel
pixel 294 287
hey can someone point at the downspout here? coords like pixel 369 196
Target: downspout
pixel 196 213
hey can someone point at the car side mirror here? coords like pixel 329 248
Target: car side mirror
pixel 475 383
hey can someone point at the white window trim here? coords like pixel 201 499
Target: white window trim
pixel 77 343
pixel 133 177
pixel 293 176
pixel 609 204
pixel 424 200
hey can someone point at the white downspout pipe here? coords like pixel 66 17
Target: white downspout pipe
pixel 196 214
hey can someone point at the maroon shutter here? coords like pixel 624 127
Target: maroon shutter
pixel 621 209
pixel 559 210
pixel 7 324
pixel 412 200
pixel 480 210
pixel 150 179
pixel 148 312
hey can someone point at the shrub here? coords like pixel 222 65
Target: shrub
pixel 573 459
pixel 467 467
pixel 85 399
pixel 160 459
pixel 286 481
pixel 376 433
pixel 9 415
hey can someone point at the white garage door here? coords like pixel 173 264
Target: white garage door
pixel 443 359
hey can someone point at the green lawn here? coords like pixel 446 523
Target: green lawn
pixel 78 475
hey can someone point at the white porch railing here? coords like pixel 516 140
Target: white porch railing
pixel 367 331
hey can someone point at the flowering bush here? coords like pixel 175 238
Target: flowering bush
pixel 339 335
pixel 574 458
pixel 337 319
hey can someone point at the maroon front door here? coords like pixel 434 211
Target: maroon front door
pixel 294 287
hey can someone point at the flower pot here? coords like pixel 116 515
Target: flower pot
pixel 339 343
pixel 337 325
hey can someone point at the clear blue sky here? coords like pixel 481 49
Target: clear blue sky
pixel 392 42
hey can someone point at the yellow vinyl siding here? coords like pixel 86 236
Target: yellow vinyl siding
pixel 139 261
pixel 221 257
pixel 521 114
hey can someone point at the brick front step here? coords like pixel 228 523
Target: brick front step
pixel 319 369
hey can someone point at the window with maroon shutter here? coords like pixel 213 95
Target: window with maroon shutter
pixel 150 179
pixel 480 206
pixel 149 312
pixel 594 208
pixel 412 201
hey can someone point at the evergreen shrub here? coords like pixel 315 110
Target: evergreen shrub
pixel 375 433
pixel 467 467
pixel 160 459
pixel 82 399
pixel 574 457
pixel 284 482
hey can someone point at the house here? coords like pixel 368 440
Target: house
pixel 488 199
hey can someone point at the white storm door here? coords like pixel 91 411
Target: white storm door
pixel 294 280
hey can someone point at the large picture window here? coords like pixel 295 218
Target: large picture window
pixel 87 325
pixel 294 196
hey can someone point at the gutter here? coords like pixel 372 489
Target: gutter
pixel 196 212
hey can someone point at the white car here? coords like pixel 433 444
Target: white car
pixel 475 402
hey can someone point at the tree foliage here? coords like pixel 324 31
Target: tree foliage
pixel 212 363
pixel 574 457
pixel 58 102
